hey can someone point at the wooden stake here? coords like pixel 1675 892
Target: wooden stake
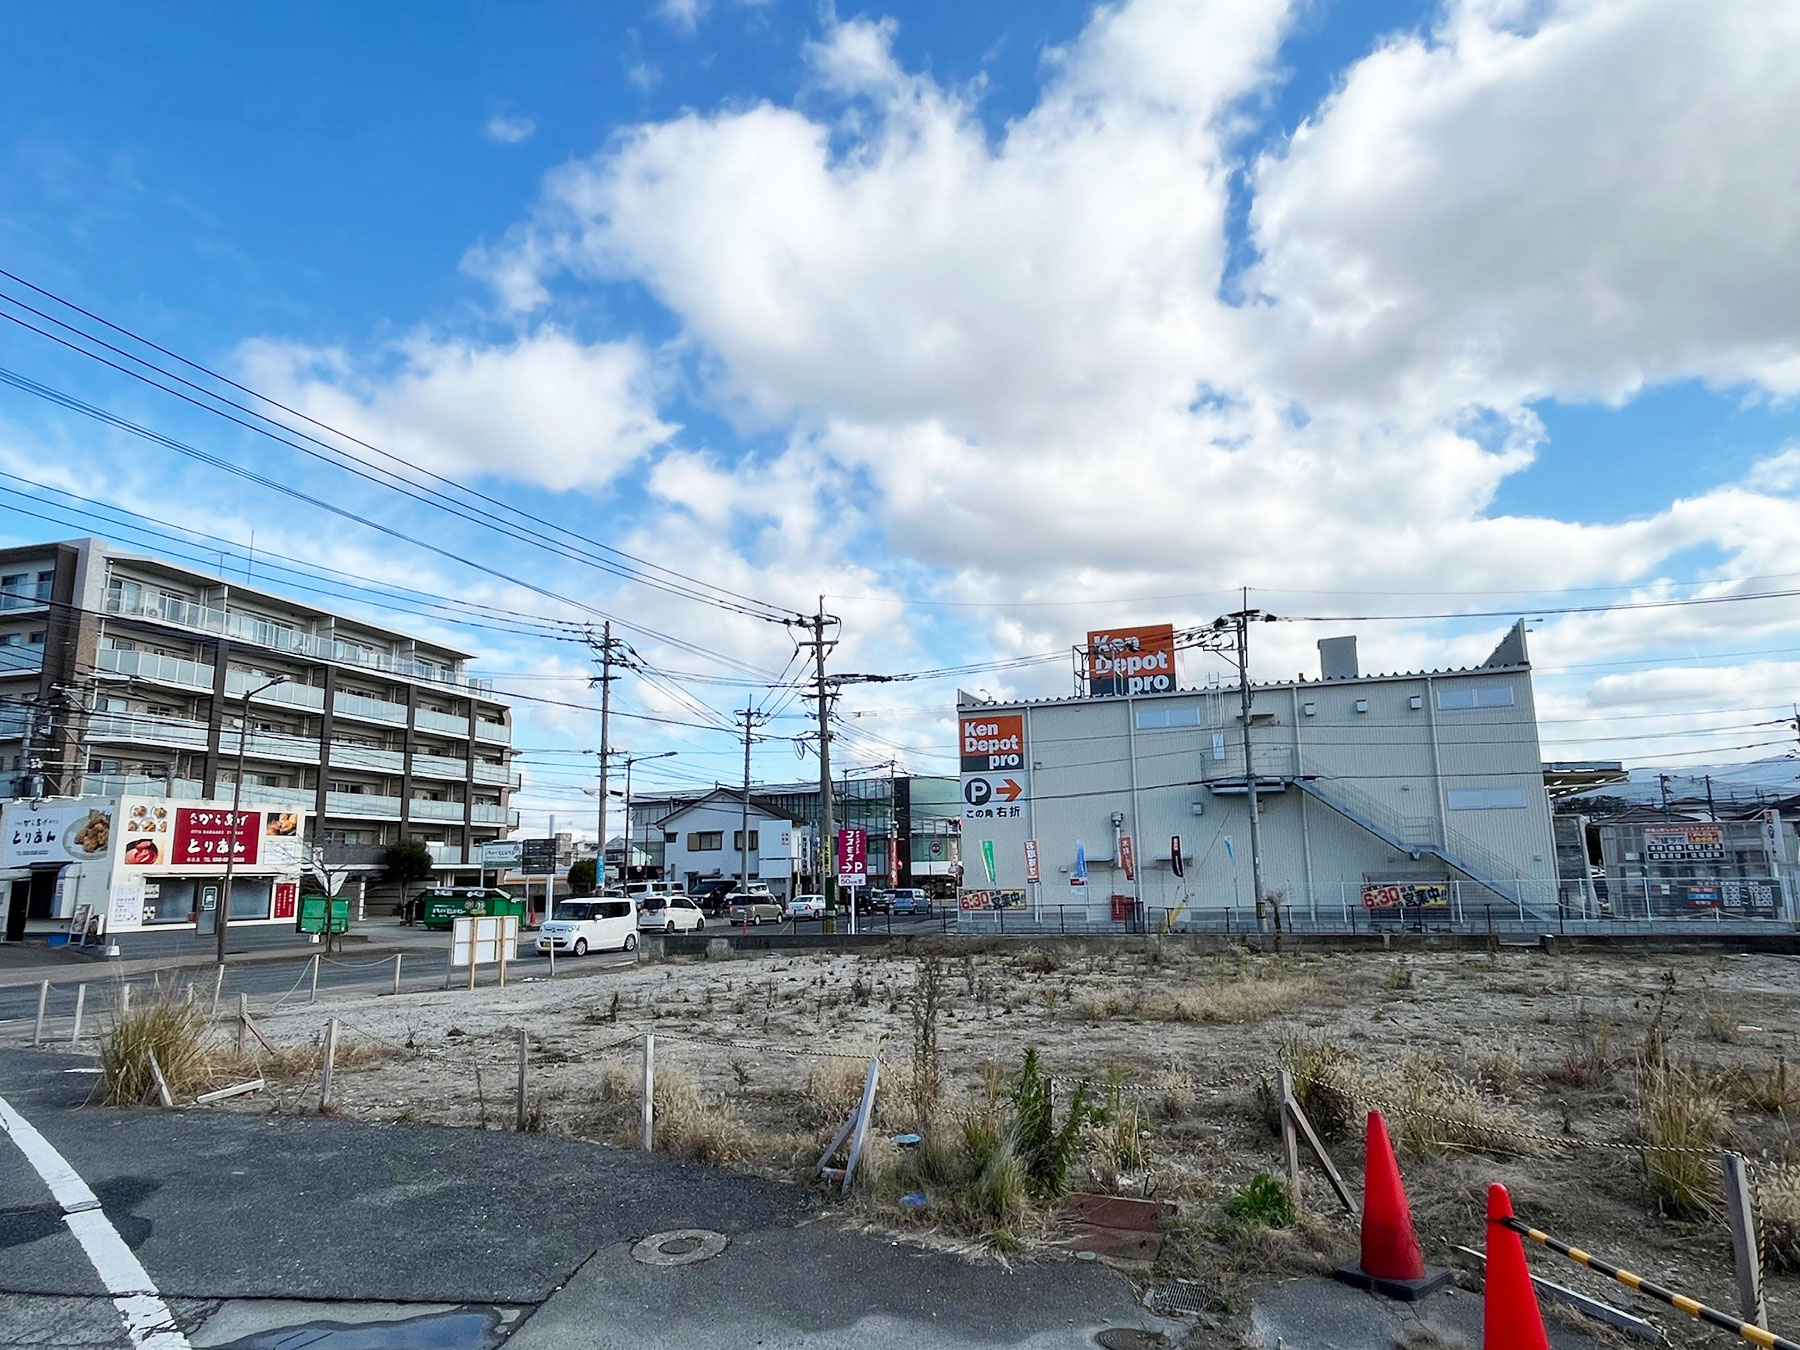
pixel 235 1090
pixel 256 1031
pixel 218 984
pixel 80 1002
pixel 124 1001
pixel 331 1035
pixel 1310 1137
pixel 243 1019
pixel 1742 1214
pixel 524 1050
pixel 37 1030
pixel 647 1132
pixel 162 1084
pixel 1290 1137
pixel 315 978
pixel 397 956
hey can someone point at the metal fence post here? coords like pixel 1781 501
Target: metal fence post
pixel 37 1031
pixel 80 1002
pixel 218 984
pixel 397 956
pixel 315 978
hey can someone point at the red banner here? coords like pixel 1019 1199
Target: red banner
pixel 1128 857
pixel 204 836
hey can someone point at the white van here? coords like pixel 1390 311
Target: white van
pixel 604 923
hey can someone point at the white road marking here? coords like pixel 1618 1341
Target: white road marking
pixel 148 1321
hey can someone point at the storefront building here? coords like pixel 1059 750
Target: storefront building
pixel 108 865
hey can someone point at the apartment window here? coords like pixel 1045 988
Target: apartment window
pixel 1218 746
pixel 670 836
pixel 124 596
pixel 114 705
pixel 13 594
pixel 706 841
pixel 1487 799
pixel 344 836
pixel 737 839
pixel 122 644
pixel 336 786
pixel 36 638
pixel 103 766
pixel 1475 696
pixel 12 639
pixel 44 582
pixel 1156 715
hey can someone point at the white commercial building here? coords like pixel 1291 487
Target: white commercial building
pixel 1392 793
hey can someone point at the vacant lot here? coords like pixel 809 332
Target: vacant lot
pixel 1581 1080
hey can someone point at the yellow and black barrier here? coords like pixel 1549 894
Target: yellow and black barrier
pixel 1692 1307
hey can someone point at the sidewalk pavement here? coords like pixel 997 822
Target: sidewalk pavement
pixel 29 962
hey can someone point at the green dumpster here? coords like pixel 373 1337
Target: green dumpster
pixel 443 906
pixel 312 915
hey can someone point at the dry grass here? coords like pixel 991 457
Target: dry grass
pixel 1589 1060
pixel 1433 1110
pixel 1244 999
pixel 170 1028
pixel 689 1123
pixel 1773 1090
pixel 1778 1211
pixel 1682 1123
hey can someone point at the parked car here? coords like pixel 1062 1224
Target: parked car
pixel 713 896
pixel 806 907
pixel 909 900
pixel 605 923
pixel 666 913
pixel 753 907
pixel 872 902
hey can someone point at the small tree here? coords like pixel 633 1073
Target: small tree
pixel 582 876
pixel 406 862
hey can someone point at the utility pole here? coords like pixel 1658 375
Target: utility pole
pixel 752 719
pixel 1712 811
pixel 1662 780
pixel 606 678
pixel 1230 635
pixel 822 689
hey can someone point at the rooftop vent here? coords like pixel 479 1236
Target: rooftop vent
pixel 1337 658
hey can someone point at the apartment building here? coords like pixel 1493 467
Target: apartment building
pixel 123 673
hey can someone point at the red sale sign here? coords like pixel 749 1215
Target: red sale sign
pixel 1128 857
pixel 211 837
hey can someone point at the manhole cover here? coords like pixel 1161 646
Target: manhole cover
pixel 681 1247
pixel 1130 1338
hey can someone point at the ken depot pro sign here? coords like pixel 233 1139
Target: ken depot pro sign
pixel 993 766
pixel 1131 661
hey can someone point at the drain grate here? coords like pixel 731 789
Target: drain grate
pixel 1131 1338
pixel 679 1247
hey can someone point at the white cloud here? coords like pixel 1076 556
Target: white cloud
pixel 509 128
pixel 545 409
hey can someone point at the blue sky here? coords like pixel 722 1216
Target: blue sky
pixel 911 305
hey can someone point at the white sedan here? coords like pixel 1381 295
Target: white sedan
pixel 806 907
pixel 662 912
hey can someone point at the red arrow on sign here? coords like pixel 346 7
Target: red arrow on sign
pixel 1009 791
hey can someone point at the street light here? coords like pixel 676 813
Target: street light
pixel 235 825
pixel 629 761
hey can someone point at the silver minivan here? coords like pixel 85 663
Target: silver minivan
pixel 605 923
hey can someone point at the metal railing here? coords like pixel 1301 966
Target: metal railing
pixel 370 709
pixel 429 719
pixel 367 757
pixel 154 666
pixel 440 766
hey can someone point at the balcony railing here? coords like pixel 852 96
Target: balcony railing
pixel 440 766
pixel 492 731
pixel 139 785
pixel 428 719
pixel 367 757
pixel 278 637
pixel 447 854
pixel 287 798
pixel 363 804
pixel 369 709
pixel 180 733
pixel 293 694
pixel 423 808
pixel 160 669
pixel 484 814
pixel 495 775
pixel 271 745
pixel 22 658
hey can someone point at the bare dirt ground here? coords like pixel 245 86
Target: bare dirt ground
pixel 1514 1066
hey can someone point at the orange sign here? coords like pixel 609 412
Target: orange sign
pixel 1131 661
pixel 993 744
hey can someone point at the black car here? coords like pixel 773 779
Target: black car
pixel 712 896
pixel 870 902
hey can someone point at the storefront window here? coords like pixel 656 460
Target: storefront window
pixel 250 897
pixel 169 900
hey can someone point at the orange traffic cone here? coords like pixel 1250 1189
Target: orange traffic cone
pixel 1392 1262
pixel 1510 1319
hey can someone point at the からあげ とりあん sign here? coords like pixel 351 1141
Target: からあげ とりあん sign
pixel 1131 661
pixel 210 837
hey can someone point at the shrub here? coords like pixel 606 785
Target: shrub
pixel 1046 1149
pixel 1264 1201
pixel 1681 1124
pixel 927 1086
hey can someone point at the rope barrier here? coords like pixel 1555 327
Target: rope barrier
pixel 796 1051
pixel 1681 1302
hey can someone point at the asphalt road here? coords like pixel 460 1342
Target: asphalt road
pixel 220 1206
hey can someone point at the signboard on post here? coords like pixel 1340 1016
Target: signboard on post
pixel 483 940
pixel 853 857
pixel 502 853
pixel 1683 843
pixel 993 766
pixel 1032 870
pixel 1131 661
pixel 537 857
